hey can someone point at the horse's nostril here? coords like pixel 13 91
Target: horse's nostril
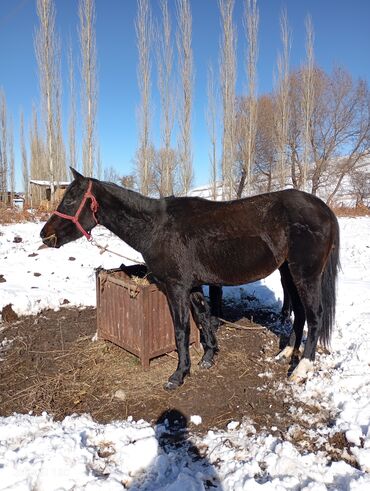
pixel 50 240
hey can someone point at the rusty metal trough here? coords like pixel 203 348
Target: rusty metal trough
pixel 134 314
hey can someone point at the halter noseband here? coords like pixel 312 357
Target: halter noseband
pixel 74 218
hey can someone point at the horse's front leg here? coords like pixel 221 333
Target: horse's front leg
pixel 179 303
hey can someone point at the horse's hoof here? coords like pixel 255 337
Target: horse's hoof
pixel 296 379
pixel 280 359
pixel 172 385
pixel 284 355
pixel 205 364
pixel 300 373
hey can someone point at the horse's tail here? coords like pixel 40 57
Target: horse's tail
pixel 328 286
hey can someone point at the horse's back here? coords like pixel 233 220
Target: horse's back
pixel 264 213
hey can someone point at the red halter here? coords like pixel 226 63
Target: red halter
pixel 74 218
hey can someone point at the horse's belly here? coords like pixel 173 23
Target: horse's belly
pixel 237 262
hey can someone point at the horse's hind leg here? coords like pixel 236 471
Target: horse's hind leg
pixel 309 292
pixel 295 339
pixel 286 310
pixel 215 300
pixel 207 325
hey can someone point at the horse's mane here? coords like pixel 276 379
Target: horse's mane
pixel 129 197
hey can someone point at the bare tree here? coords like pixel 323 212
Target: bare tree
pixel 11 163
pixel 128 181
pixel 249 125
pixel 282 114
pixel 159 182
pixel 60 151
pixel 296 138
pixel 48 59
pixel 111 175
pixel 99 164
pixel 339 129
pixel 166 92
pixel 360 182
pixel 308 96
pixel 72 151
pixel 186 74
pixel 211 116
pixel 39 162
pixel 266 145
pixel 144 38
pixel 3 148
pixel 89 81
pixel 25 172
pixel 228 80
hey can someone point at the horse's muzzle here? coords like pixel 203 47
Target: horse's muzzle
pixel 49 238
pixel 51 241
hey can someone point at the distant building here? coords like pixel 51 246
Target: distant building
pixel 12 199
pixel 39 192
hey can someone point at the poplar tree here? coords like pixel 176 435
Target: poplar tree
pixel 144 153
pixel 72 150
pixel 25 172
pixel 11 170
pixel 185 56
pixel 89 84
pixel 228 80
pixel 3 148
pixel 211 116
pixel 308 98
pixel 47 47
pixel 249 123
pixel 282 114
pixel 166 157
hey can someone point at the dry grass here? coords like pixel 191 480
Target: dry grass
pixel 16 215
pixel 358 211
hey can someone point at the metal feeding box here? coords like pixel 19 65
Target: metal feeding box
pixel 134 314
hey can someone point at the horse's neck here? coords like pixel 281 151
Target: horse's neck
pixel 129 215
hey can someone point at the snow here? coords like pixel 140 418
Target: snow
pixel 196 419
pixel 38 453
pixel 61 274
pixel 48 183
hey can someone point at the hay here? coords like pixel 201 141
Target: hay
pixel 140 281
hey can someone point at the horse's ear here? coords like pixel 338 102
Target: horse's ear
pixel 76 175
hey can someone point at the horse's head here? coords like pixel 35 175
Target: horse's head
pixel 74 217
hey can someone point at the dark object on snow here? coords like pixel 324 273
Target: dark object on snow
pixel 188 242
pixel 8 314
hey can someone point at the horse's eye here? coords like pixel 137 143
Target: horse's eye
pixel 68 201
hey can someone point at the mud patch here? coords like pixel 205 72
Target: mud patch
pixel 54 365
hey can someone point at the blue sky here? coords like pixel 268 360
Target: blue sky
pixel 342 37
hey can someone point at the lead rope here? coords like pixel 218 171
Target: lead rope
pixel 105 249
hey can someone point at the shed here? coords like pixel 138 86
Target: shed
pixel 39 192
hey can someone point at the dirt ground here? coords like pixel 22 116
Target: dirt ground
pixel 53 365
pixel 49 362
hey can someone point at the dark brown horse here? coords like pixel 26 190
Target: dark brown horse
pixel 188 242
